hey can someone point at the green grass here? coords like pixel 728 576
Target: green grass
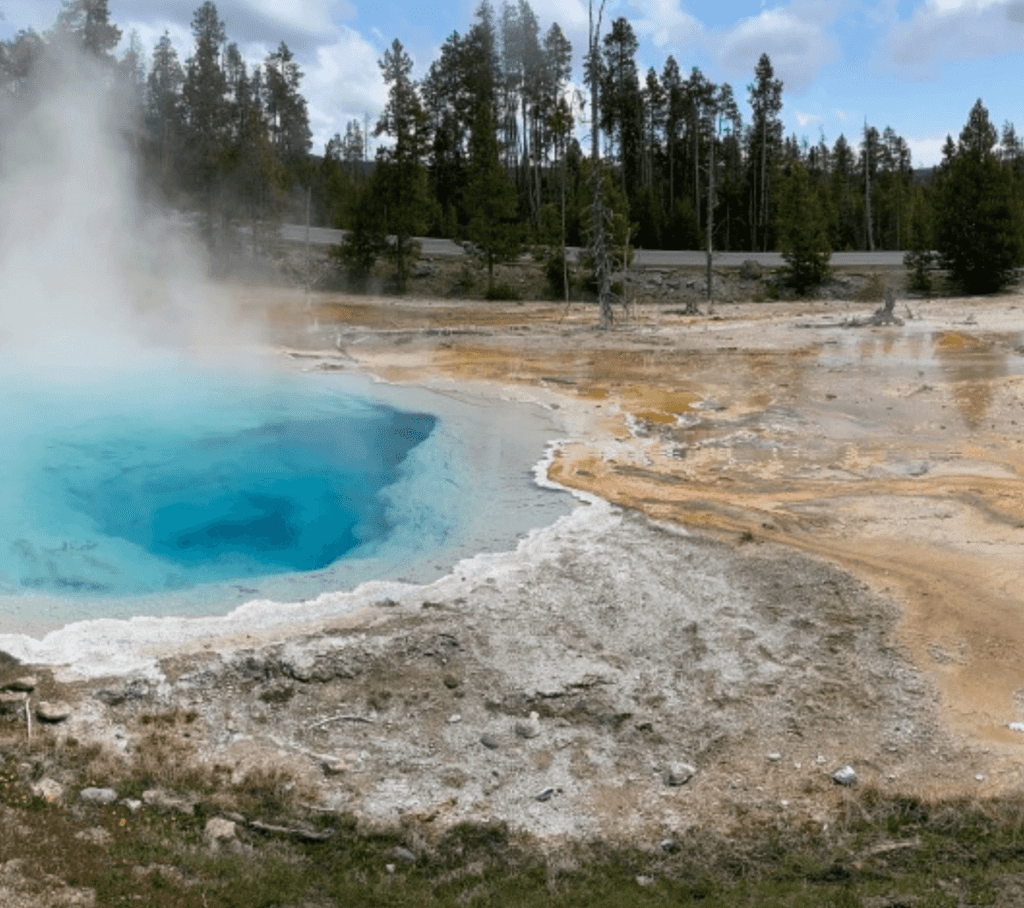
pixel 880 849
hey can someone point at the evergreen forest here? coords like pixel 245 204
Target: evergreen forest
pixel 486 148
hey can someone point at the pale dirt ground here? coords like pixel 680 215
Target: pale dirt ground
pixel 814 559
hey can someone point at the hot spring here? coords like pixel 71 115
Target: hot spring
pixel 181 489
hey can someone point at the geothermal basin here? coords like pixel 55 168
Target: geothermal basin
pixel 165 487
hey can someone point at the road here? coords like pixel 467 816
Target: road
pixel 644 258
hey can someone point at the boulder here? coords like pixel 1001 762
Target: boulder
pixel 530 728
pixel 26 683
pixel 56 711
pixel 750 270
pixel 845 776
pixel 679 773
pixel 98 795
pixel 404 854
pixel 49 790
pixel 218 831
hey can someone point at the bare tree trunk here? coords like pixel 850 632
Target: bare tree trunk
pixel 598 249
pixel 711 213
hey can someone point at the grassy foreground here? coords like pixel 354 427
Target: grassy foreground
pixel 879 850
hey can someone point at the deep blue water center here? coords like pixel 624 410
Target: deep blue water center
pixel 161 480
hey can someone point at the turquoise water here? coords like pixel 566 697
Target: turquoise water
pixel 164 484
pixel 180 490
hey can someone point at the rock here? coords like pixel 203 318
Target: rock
pixel 167 803
pixel 26 683
pixel 643 879
pixel 774 757
pixel 52 711
pixel 1016 726
pixel 546 794
pixel 451 681
pixel 750 270
pixel 489 741
pixel 679 773
pixel 424 270
pixel 132 804
pixel 49 790
pixel 845 776
pixel 454 719
pixel 333 766
pixel 530 728
pixel 12 703
pixel 217 831
pixel 669 846
pixel 98 795
pixel 404 854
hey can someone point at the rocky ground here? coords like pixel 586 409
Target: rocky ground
pixel 803 555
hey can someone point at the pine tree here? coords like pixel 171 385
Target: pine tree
pixel 286 108
pixel 494 226
pixel 764 142
pixel 980 229
pixel 164 119
pixel 803 231
pixel 88 23
pixel 402 180
pixel 206 111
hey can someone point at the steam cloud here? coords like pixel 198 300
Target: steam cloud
pixel 90 272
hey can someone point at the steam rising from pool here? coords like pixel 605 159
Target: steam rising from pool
pixel 140 479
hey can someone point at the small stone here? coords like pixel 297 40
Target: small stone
pixel 49 790
pixel 489 741
pixel 530 728
pixel 332 766
pixel 132 804
pixel 679 773
pixel 56 711
pixel 1016 726
pixel 454 719
pixel 98 795
pixel 979 778
pixel 217 831
pixel 546 794
pixel 404 854
pixel 669 846
pixel 26 683
pixel 845 776
pixel 774 757
pixel 451 681
pixel 390 868
pixel 643 879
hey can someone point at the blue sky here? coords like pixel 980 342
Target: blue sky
pixel 915 65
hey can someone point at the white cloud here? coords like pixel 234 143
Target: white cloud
pixel 569 14
pixel 805 119
pixel 664 22
pixel 941 29
pixel 795 37
pixel 926 151
pixel 343 84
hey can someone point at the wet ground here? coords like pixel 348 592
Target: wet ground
pixel 894 452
